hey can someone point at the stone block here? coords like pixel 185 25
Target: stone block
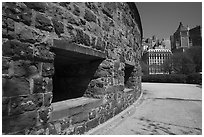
pixel 47 69
pixel 47 99
pixel 92 114
pixel 72 19
pixel 100 45
pixel 38 6
pixel 44 115
pixel 65 123
pixel 80 117
pixel 52 130
pixel 15 87
pixel 79 130
pixel 21 104
pixel 5 106
pixel 16 49
pixel 38 85
pixel 102 119
pixel 92 123
pixel 58 26
pixel 76 10
pixel 89 16
pixel 82 38
pixel 20 122
pixel 92 6
pixel 26 17
pixel 43 54
pixel 42 22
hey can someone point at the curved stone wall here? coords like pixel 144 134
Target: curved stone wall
pixel 68 67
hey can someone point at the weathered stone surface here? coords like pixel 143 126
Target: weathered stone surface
pixel 58 26
pixel 15 87
pixel 17 49
pixel 79 129
pixel 38 6
pixel 43 22
pixel 92 114
pixel 89 16
pixel 21 104
pixel 92 123
pixel 47 99
pixel 92 31
pixel 20 122
pixel 76 10
pixel 5 106
pixel 65 123
pixel 82 38
pixel 38 85
pixel 80 117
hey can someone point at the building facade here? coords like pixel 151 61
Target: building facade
pixel 184 38
pixel 156 58
pixel 68 66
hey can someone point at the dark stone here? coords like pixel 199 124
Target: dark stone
pixel 10 24
pixel 44 115
pixel 58 26
pixel 47 69
pixel 82 38
pixel 15 87
pixel 79 130
pixel 76 10
pixel 38 85
pixel 47 99
pixel 92 123
pixel 65 123
pixel 101 73
pixel 92 114
pixel 102 119
pixel 72 20
pixel 92 6
pixel 89 16
pixel 20 122
pixel 93 42
pixel 5 106
pixel 43 22
pixel 5 65
pixel 12 11
pixel 80 117
pixel 43 54
pixel 24 68
pixel 100 45
pixel 26 17
pixel 38 6
pixel 17 49
pixel 22 104
pixel 83 22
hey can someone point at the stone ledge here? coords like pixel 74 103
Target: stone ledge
pixel 65 48
pixel 71 107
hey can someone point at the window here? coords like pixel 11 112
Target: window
pixel 74 69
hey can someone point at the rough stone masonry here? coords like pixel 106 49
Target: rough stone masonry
pixel 68 66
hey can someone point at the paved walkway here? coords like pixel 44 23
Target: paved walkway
pixel 164 109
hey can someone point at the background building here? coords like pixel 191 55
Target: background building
pixel 156 58
pixel 184 38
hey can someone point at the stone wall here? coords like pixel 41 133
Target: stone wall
pixel 106 33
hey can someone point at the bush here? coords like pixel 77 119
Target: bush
pixel 194 78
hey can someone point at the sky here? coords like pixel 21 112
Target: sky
pixel 163 18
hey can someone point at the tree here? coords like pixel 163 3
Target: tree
pixel 179 63
pixel 182 63
pixel 195 53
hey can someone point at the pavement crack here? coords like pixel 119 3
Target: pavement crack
pixel 148 120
